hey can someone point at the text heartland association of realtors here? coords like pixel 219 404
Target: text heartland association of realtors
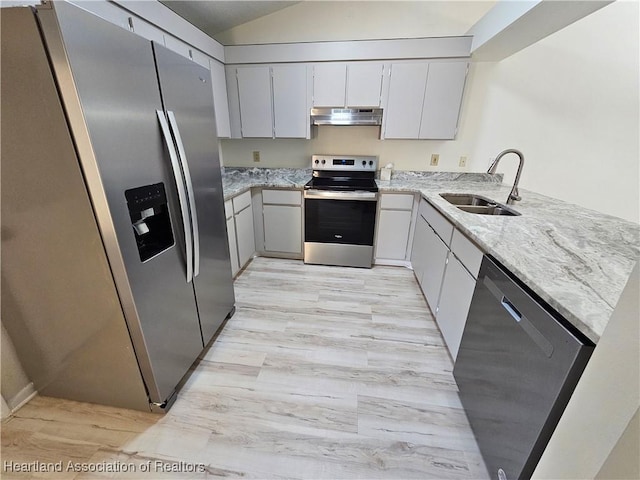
pixel 152 466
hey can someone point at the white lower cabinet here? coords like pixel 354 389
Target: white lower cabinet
pixel 231 237
pixel 446 270
pixel 233 246
pixel 282 228
pixel 242 219
pixel 418 253
pixel 393 226
pixel 435 262
pixel 245 236
pixel 455 300
pixel 282 217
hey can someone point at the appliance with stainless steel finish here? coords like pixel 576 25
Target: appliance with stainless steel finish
pixel 518 364
pixel 340 210
pixel 514 195
pixel 116 267
pixel 346 116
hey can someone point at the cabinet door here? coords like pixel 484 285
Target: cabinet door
pixel 393 234
pixel 404 105
pixel 282 228
pixel 290 114
pixel 220 101
pixel 245 236
pixel 457 290
pixel 364 84
pixel 442 101
pixel 233 246
pixel 435 262
pixel 329 84
pixel 234 101
pixel 418 252
pixel 254 94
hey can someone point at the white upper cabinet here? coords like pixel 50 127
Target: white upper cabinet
pixel 268 101
pixel 442 100
pixel 424 100
pixel 339 84
pixel 403 112
pixel 220 102
pixel 364 84
pixel 290 112
pixel 329 84
pixel 254 95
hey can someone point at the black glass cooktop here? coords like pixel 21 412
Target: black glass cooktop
pixel 342 184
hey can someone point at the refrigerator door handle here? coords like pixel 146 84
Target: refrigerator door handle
pixel 182 194
pixel 182 157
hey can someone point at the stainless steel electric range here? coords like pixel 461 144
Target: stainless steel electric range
pixel 340 210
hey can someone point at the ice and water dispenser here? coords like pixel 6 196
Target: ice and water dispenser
pixel 150 219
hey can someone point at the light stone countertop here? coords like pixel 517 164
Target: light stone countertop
pixel 577 260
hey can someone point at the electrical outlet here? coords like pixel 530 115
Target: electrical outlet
pixel 256 156
pixel 463 161
pixel 434 159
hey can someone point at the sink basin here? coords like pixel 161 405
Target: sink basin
pixel 478 204
pixel 489 210
pixel 467 199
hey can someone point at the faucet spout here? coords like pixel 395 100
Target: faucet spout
pixel 514 195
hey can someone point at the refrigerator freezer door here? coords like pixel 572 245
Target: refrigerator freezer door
pixel 111 105
pixel 186 95
pixel 59 303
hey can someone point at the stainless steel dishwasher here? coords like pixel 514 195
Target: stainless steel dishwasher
pixel 518 364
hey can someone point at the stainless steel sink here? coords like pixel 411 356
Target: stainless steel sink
pixel 478 204
pixel 466 199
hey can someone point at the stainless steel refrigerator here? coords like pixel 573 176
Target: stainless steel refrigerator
pixel 115 262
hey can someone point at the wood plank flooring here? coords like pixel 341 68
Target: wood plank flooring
pixel 323 372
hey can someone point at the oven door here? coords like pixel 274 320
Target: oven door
pixel 339 227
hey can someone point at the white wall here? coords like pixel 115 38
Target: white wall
pixel 569 102
pixel 358 20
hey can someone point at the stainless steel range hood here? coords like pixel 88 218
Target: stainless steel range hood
pixel 346 116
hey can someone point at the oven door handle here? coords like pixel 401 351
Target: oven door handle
pixel 327 194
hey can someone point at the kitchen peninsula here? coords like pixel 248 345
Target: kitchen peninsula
pixel 575 259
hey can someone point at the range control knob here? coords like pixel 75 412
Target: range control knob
pixel 317 161
pixel 364 162
pixel 323 161
pixel 370 162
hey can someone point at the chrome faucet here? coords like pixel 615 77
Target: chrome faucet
pixel 514 195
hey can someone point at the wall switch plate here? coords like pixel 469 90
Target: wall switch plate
pixel 463 161
pixel 434 159
pixel 256 156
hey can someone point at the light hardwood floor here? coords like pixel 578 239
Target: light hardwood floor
pixel 323 372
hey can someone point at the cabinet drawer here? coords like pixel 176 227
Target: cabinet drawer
pixel 228 209
pixel 437 221
pixel 467 252
pixel 282 197
pixel 241 202
pixel 396 201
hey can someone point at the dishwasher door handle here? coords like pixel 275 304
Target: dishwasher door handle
pixel 528 327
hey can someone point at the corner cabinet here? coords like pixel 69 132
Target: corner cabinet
pixel 446 265
pixel 268 101
pixel 424 100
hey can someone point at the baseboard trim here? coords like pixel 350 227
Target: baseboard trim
pixel 392 263
pixel 21 398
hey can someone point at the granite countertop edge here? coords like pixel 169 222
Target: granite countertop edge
pixel 575 259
